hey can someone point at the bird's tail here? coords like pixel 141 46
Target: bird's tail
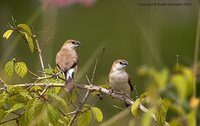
pixel 69 84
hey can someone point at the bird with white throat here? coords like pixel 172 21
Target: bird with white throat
pixel 119 79
pixel 67 60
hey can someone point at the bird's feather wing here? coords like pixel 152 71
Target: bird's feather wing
pixel 129 82
pixel 66 59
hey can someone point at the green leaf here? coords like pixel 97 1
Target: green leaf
pixel 146 118
pixel 84 118
pixel 25 94
pixel 104 85
pixel 162 77
pixel 32 110
pixel 98 115
pixel 180 84
pixel 38 107
pixel 30 42
pixel 21 69
pixel 59 100
pixel 161 112
pixel 7 34
pixel 14 90
pixel 25 27
pixel 191 118
pixel 135 107
pixel 2 114
pixel 3 98
pixel 9 68
pixel 65 119
pixel 15 107
pixel 28 111
pixel 52 114
pixel 143 70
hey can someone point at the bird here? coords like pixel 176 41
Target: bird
pixel 119 79
pixel 67 60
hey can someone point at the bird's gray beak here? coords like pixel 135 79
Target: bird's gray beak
pixel 126 63
pixel 78 44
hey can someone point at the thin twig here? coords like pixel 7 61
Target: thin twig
pixel 196 53
pixel 33 73
pixel 46 42
pixel 4 88
pixel 79 108
pixel 42 64
pixel 1 81
pixel 40 54
pixel 88 79
pixel 115 106
pixel 72 113
pixel 96 63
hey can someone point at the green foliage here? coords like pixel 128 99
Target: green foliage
pixel 59 100
pixel 64 120
pixel 146 118
pixel 7 34
pixel 137 102
pixel 26 31
pixel 9 68
pixel 51 109
pixel 183 82
pixel 32 109
pixel 3 98
pixel 191 117
pixel 98 115
pixel 135 107
pixel 23 30
pixel 14 107
pixel 161 112
pixel 29 39
pixel 84 118
pixel 159 78
pixel 104 85
pixel 176 86
pixel 2 114
pixel 52 114
pixel 19 67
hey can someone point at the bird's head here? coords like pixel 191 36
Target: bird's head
pixel 72 44
pixel 119 64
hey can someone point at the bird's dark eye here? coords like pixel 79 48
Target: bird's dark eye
pixel 121 63
pixel 73 42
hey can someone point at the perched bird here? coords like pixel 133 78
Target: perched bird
pixel 66 60
pixel 119 79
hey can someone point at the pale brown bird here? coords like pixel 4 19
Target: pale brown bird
pixel 119 79
pixel 66 60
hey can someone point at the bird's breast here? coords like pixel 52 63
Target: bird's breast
pixel 119 77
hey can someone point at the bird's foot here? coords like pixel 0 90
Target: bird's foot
pixel 110 91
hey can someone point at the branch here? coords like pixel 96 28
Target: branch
pixel 41 63
pixel 4 88
pixel 91 88
pixel 40 54
pixel 79 108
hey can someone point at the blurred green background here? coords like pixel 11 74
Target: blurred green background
pixel 143 35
